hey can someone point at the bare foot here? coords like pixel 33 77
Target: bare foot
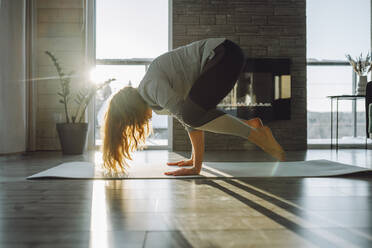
pixel 255 122
pixel 264 139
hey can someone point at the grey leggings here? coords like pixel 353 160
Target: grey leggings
pixel 216 80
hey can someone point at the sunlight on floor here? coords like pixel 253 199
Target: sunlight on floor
pixel 271 205
pixel 98 221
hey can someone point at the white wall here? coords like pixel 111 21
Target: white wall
pixel 12 77
pixel 59 29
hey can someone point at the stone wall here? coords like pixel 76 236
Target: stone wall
pixel 264 29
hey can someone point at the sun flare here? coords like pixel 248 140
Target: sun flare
pixel 96 76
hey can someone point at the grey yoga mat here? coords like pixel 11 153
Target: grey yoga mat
pixel 311 168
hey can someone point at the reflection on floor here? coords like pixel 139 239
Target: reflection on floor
pixel 268 212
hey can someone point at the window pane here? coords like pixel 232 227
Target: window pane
pixel 320 85
pixel 336 28
pixel 128 29
pixel 323 81
pixel 131 29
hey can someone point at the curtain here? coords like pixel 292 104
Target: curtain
pixel 12 76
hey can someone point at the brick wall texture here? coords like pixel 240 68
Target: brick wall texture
pixel 263 29
pixel 59 30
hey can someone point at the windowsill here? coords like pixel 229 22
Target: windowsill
pixel 345 142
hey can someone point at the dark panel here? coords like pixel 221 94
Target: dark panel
pixel 276 66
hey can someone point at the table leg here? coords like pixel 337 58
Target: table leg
pixel 366 147
pixel 331 123
pixel 337 124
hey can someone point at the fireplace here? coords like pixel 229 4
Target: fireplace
pixel 263 90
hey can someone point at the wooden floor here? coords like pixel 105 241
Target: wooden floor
pixel 273 212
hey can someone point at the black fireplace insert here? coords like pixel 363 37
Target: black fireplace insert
pixel 263 90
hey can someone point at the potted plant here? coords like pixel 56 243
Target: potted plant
pixel 361 66
pixel 73 132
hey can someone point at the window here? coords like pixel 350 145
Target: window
pixel 334 29
pixel 129 34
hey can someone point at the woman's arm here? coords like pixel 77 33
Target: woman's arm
pixel 197 141
pixel 189 162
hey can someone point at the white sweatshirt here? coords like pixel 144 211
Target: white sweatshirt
pixel 170 76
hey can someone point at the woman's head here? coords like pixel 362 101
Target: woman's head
pixel 126 128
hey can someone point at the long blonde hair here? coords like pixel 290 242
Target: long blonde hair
pixel 125 129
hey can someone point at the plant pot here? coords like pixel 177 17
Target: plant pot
pixel 361 87
pixel 72 137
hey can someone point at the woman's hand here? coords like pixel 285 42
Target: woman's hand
pixel 189 162
pixel 184 172
pixel 197 141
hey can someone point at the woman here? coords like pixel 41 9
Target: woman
pixel 187 83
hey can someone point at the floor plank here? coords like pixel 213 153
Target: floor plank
pixel 249 212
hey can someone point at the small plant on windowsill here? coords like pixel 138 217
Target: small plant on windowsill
pixel 362 66
pixel 72 134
